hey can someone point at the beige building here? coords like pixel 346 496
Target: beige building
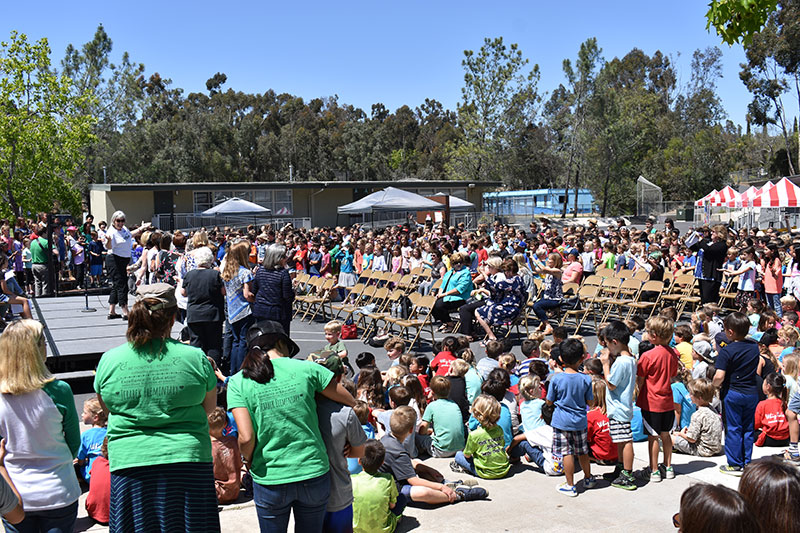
pixel 308 203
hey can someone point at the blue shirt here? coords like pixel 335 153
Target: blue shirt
pixel 739 360
pixel 637 425
pixel 530 412
pixel 238 307
pixel 90 449
pixel 619 402
pixel 571 393
pixel 680 396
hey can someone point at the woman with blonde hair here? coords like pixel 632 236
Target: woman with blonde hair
pixel 454 291
pixel 158 393
pixel 40 425
pixel 238 281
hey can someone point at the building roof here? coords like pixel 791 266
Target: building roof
pixel 534 192
pixel 267 185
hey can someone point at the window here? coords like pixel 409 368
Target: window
pixel 280 201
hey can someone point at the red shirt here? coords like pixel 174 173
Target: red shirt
pixel 599 436
pixel 98 500
pixel 441 363
pixel 483 255
pixel 657 366
pixel 771 420
pixel 423 380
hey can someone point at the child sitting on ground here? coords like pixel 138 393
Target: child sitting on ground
pixel 702 355
pixel 226 457
pixel 484 454
pixel 418 367
pixel 770 421
pixel 412 487
pixel 570 391
pixel 508 362
pixel 703 437
pixel 601 448
pixel 394 346
pixel 361 409
pixel 374 494
pixel 441 433
pixel 91 439
pixel 489 363
pixel 787 338
pixel 681 399
pixel 655 370
pixel 458 386
pixel 683 340
pixel 364 360
pixel 530 353
pixel 593 367
pixel 98 500
pixel 441 363
pixel 333 330
pixel 791 363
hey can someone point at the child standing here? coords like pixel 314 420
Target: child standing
pixel 95 249
pixel 226 458
pixel 619 371
pixel 655 371
pixel 340 428
pixel 484 454
pixel 703 436
pixel 27 265
pixel 91 439
pixel 374 494
pixel 442 428
pixel 736 375
pixel 770 421
pixel 570 391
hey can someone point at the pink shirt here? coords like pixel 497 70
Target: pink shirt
pixel 570 270
pixel 773 283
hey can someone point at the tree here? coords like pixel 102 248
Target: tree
pixel 497 98
pixel 43 130
pixel 736 21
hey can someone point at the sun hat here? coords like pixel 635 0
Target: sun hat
pixel 273 329
pixel 163 292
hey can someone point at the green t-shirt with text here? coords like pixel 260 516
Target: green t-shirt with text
pixel 289 445
pixel 488 450
pixel 444 416
pixel 372 494
pixel 156 405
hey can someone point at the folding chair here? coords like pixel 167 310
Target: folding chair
pixel 729 292
pixel 628 293
pixel 420 318
pixel 649 288
pixel 352 298
pixel 317 302
pixel 605 272
pixel 678 290
pixel 642 274
pixel 301 301
pixel 380 314
pixel 625 274
pixel 366 295
pixel 587 297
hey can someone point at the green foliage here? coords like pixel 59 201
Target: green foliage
pixel 736 21
pixel 44 128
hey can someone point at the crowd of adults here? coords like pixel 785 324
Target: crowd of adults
pixel 233 291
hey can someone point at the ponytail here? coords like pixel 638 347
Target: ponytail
pixel 777 386
pixel 258 366
pixel 146 324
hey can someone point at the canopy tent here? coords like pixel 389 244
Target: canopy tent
pixel 722 197
pixel 236 206
pixel 702 201
pixel 744 197
pixel 457 204
pixel 390 199
pixel 782 194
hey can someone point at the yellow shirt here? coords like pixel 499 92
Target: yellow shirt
pixel 685 350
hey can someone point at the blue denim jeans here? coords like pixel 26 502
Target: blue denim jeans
pixel 774 301
pixel 533 452
pixel 542 306
pixel 61 520
pixel 308 499
pixel 467 464
pixel 239 348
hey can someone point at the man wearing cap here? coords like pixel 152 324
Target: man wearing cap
pixel 341 432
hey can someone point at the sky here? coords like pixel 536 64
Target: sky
pixel 365 52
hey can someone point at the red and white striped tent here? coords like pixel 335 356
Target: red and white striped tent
pixel 782 194
pixel 743 198
pixel 722 197
pixel 702 201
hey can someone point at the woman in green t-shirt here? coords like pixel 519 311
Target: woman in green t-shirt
pixel 273 403
pixel 158 393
